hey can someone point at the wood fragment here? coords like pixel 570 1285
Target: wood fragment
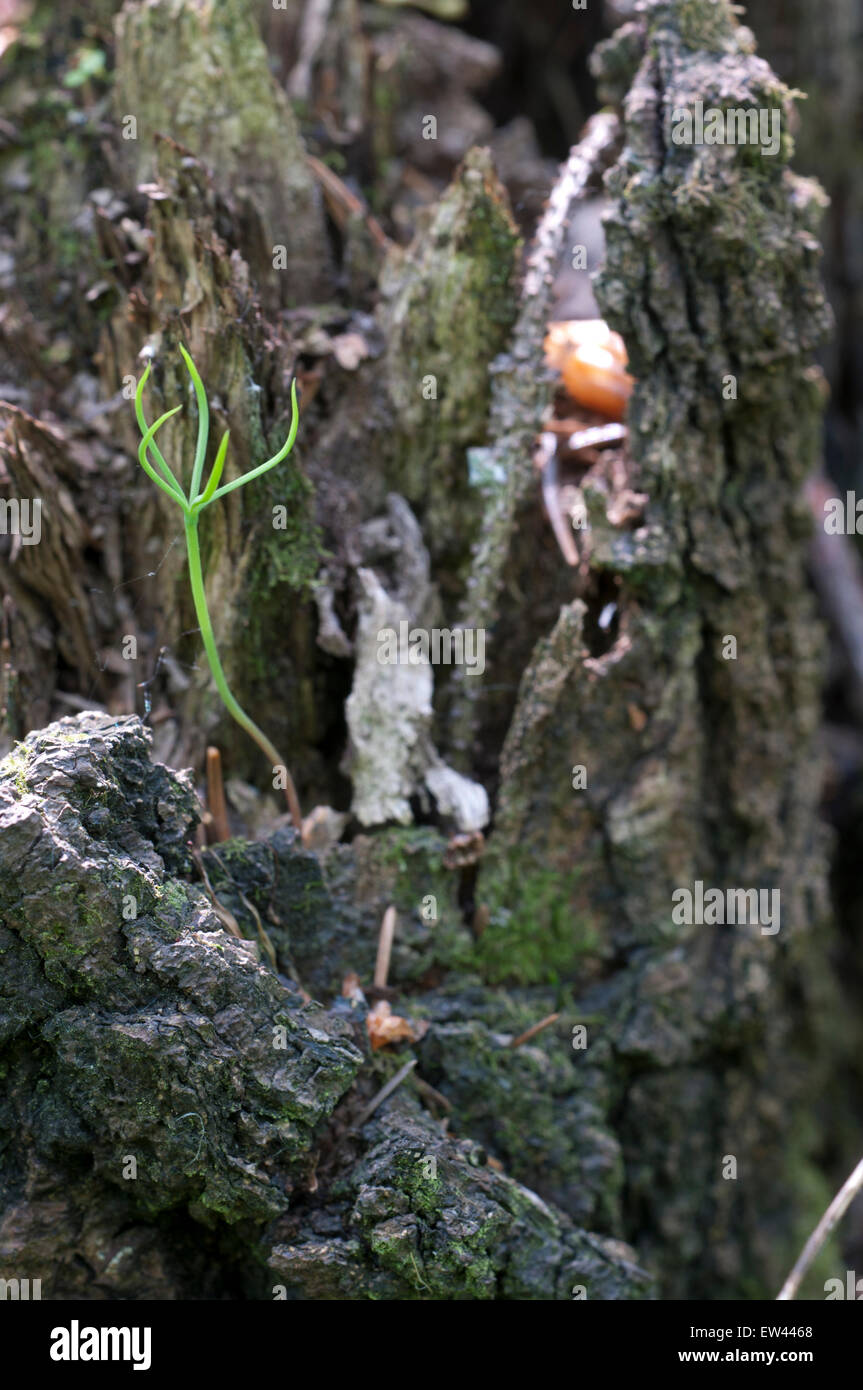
pixel 343 203
pixel 216 797
pixel 385 947
pixel 313 31
pixel 431 1094
pixel 521 397
pixel 384 1092
pixel 532 1032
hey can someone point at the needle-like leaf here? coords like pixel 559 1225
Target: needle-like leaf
pixel 216 473
pixel 143 427
pixel 145 444
pixel 203 423
pixel 270 463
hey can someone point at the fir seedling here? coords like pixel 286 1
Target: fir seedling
pixel 191 507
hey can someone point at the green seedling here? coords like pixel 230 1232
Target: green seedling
pixel 191 507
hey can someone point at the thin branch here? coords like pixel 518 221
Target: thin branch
pixel 832 1216
pixel 216 795
pixel 385 1091
pixel 385 948
pixel 532 1032
pixel 338 192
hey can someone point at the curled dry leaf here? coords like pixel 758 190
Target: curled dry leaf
pixel 385 1027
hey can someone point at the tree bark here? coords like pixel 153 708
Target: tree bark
pixel 646 721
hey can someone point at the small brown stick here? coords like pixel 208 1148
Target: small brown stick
pixel 385 1091
pixel 340 197
pixel 532 1032
pixel 216 796
pixel 432 1095
pixel 385 948
pixel 293 801
pixel 480 920
pixel 834 1213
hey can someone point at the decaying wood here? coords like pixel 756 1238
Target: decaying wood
pixel 646 720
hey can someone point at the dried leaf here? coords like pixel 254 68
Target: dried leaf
pixel 385 1027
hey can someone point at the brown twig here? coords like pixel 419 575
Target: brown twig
pixel 216 796
pixel 342 201
pixel 383 1093
pixel 834 1213
pixel 433 1095
pixel 532 1032
pixel 385 948
pixel 546 460
pixel 266 944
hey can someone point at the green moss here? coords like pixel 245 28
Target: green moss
pixel 15 765
pixel 450 304
pixel 408 864
pixel 174 894
pixel 711 27
pixel 532 935
pixel 402 849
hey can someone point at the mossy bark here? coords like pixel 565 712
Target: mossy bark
pixel 675 1048
pixel 693 716
pixel 200 73
pixel 164 1092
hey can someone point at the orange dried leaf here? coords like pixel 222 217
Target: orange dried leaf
pixel 385 1027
